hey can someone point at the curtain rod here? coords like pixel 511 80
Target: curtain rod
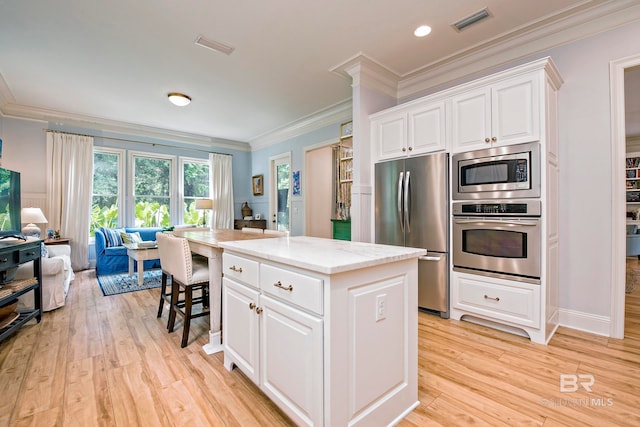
pixel 137 142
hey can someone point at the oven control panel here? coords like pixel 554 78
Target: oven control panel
pixel 498 208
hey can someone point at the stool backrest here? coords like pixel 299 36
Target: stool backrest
pixel 175 256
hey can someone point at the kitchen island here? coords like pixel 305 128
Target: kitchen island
pixel 326 328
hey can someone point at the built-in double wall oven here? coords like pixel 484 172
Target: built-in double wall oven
pixel 496 225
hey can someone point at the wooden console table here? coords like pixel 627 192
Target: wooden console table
pixel 12 254
pixel 239 224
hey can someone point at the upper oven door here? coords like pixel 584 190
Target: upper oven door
pixel 501 245
pixel 501 172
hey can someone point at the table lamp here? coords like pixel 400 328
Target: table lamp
pixel 204 204
pixel 32 216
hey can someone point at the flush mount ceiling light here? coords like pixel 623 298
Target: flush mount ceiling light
pixel 471 19
pixel 179 99
pixel 422 31
pixel 214 45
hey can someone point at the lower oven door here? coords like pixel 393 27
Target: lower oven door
pixel 492 245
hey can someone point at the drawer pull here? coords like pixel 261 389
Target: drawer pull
pixel 31 253
pixel 278 284
pixel 492 298
pixel 252 306
pixel 259 310
pixel 3 260
pixel 236 269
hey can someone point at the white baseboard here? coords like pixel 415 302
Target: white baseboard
pixel 599 325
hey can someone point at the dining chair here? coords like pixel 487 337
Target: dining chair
pixel 251 230
pixel 189 275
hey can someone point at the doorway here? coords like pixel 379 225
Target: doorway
pixel 319 181
pixel 618 212
pixel 280 194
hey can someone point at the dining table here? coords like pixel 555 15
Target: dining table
pixel 206 243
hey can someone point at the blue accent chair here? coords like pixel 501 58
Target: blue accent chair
pixel 633 240
pixel 114 259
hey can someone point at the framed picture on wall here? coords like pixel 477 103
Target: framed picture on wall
pixel 346 130
pixel 257 183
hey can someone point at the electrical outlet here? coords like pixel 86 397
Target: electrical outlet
pixel 381 307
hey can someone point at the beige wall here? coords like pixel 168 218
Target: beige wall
pixel 319 192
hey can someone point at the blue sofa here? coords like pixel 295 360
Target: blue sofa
pixel 114 259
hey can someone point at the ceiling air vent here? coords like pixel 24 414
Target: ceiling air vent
pixel 214 45
pixel 471 19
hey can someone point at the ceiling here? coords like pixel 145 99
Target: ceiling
pixel 116 61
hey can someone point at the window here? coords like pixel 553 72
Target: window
pixel 107 188
pixel 152 177
pixel 195 185
pixel 159 194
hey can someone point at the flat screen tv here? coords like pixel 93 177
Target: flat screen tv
pixel 9 203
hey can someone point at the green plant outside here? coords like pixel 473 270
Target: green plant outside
pixel 148 214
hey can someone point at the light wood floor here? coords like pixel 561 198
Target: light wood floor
pixel 109 361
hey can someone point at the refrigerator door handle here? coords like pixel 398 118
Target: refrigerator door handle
pixel 400 197
pixel 407 201
pixel 430 258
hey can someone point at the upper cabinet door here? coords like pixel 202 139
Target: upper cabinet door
pixel 389 134
pixel 471 120
pixel 504 113
pixel 515 111
pixel 426 128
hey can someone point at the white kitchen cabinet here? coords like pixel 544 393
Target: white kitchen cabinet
pixel 506 301
pixel 412 129
pixel 501 113
pixel 303 328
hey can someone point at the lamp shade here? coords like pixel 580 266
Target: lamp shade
pixel 33 216
pixel 204 204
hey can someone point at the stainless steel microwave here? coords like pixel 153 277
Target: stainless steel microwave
pixel 508 172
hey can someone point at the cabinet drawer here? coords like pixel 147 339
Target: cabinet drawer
pixel 515 302
pixel 241 269
pixel 295 288
pixel 28 254
pixel 8 260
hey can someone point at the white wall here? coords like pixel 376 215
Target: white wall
pixel 585 174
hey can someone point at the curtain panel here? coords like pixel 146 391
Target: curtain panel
pixel 69 189
pixel 221 190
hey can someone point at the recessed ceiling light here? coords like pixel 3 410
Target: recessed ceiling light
pixel 179 99
pixel 422 31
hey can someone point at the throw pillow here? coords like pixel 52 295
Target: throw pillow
pixel 112 236
pixel 130 237
pixel 44 252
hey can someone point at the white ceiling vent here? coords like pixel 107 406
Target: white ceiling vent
pixel 471 19
pixel 214 45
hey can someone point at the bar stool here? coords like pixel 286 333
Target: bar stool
pixel 188 275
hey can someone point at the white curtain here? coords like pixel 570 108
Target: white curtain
pixel 221 190
pixel 69 189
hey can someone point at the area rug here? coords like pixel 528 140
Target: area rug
pixel 113 284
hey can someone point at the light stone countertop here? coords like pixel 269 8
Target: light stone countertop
pixel 322 255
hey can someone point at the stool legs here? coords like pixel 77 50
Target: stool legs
pixel 188 303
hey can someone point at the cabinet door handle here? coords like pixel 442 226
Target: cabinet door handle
pixel 279 284
pixel 404 149
pixel 410 148
pixel 494 139
pixel 487 140
pixel 252 306
pixel 492 298
pixel 236 269
pixel 259 310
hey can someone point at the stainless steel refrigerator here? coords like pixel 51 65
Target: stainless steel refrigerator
pixel 412 209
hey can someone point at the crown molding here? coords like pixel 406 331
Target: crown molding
pixel 572 25
pixel 97 124
pixel 365 71
pixel 6 96
pixel 336 113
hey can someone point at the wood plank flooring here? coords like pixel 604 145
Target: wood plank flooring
pixel 108 361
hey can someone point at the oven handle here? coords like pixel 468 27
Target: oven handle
pixel 495 221
pixel 399 204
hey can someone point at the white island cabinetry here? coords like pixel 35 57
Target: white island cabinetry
pixel 303 317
